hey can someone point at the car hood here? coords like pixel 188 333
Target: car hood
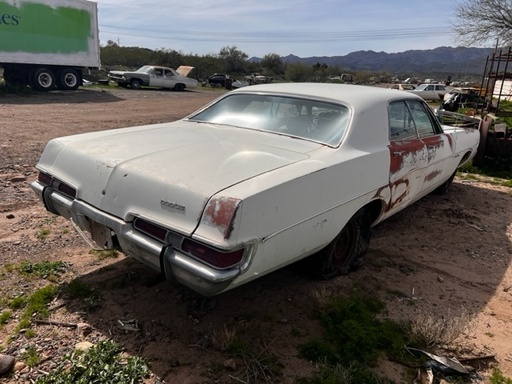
pixel 122 73
pixel 165 172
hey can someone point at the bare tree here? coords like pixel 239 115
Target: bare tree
pixel 484 21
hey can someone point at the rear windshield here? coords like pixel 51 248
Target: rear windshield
pixel 319 121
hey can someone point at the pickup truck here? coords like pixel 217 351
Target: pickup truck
pixel 256 78
pixel 155 76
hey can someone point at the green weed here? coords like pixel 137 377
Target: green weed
pixel 498 378
pixel 43 234
pixel 85 293
pixel 45 269
pixel 103 254
pixel 18 302
pixel 37 303
pixel 102 363
pixel 30 356
pixel 355 338
pixel 5 317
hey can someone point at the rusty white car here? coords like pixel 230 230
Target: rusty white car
pixel 155 76
pixel 260 178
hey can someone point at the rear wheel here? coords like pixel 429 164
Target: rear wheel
pixel 68 79
pixel 43 79
pixel 345 253
pixel 135 84
pixel 443 188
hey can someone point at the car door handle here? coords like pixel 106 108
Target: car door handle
pixel 398 153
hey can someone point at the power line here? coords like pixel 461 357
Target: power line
pixel 280 36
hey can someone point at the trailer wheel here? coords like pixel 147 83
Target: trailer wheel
pixel 68 80
pixel 43 79
pixel 135 84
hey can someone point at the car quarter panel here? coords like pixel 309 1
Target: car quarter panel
pixel 292 212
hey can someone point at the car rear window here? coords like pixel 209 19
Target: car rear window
pixel 303 118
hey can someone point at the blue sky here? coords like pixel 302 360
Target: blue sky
pixel 301 27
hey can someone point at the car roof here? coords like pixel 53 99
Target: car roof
pixel 347 93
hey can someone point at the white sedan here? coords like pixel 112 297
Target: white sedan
pixel 258 179
pixel 434 92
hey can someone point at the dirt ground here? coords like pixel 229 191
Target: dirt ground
pixel 445 255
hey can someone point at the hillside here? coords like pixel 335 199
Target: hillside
pixel 457 61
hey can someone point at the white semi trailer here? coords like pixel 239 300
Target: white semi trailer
pixel 47 44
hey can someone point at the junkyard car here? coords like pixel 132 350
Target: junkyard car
pixel 403 87
pixel 434 92
pixel 462 98
pixel 260 178
pixel 218 79
pixel 155 76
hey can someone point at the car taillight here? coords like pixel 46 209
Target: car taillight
pixel 150 229
pixel 49 181
pixel 44 179
pixel 67 190
pixel 211 256
pixel 221 212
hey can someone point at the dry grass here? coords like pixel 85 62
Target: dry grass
pixel 434 330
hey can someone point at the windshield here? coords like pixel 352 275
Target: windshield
pixel 144 69
pixel 308 119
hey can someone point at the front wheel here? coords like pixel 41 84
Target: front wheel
pixel 179 87
pixel 345 253
pixel 135 84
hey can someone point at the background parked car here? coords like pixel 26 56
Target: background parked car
pixel 155 76
pixel 218 79
pixel 433 92
pixel 403 87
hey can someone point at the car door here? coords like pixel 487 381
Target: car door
pixel 440 160
pixel 408 157
pixel 169 80
pixel 430 92
pixel 156 78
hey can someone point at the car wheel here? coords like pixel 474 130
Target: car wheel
pixel 443 188
pixel 179 87
pixel 345 253
pixel 135 84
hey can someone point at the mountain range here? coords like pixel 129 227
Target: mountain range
pixel 459 61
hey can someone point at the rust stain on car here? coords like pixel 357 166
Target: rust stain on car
pixel 399 151
pixel 432 175
pixel 221 213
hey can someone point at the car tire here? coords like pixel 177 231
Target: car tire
pixel 179 87
pixel 135 84
pixel 345 253
pixel 443 188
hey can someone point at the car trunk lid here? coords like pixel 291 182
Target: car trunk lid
pixel 167 173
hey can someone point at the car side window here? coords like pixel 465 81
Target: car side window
pixel 425 125
pixel 401 123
